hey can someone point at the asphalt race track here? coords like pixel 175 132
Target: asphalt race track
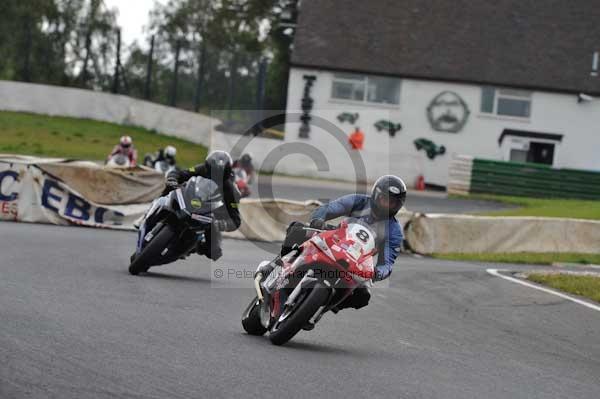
pixel 75 324
pixel 301 189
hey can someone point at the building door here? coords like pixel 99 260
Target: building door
pixel 522 146
pixel 541 153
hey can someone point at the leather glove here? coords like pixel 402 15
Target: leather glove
pixel 375 277
pixel 318 224
pixel 171 183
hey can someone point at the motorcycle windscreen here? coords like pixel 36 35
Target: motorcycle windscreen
pixel 202 195
pixel 120 159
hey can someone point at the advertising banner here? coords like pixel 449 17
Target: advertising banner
pixel 28 194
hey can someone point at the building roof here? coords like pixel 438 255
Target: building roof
pixel 545 45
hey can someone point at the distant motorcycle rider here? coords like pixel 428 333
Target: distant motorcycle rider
pixel 378 210
pixel 245 162
pixel 217 167
pixel 167 155
pixel 126 148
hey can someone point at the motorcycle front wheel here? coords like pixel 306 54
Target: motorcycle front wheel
pixel 152 251
pixel 251 319
pixel 301 315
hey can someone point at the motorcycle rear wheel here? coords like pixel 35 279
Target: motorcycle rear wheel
pixel 142 262
pixel 294 323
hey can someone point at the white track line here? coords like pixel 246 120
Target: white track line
pixel 494 272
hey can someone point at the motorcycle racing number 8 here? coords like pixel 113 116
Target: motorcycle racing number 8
pixel 364 241
pixel 362 235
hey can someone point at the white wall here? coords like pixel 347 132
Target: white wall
pixel 77 103
pixel 550 113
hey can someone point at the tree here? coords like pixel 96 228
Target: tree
pixel 42 40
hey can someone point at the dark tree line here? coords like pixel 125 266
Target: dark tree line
pixel 219 47
pixel 66 42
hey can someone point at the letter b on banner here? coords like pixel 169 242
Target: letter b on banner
pixel 77 208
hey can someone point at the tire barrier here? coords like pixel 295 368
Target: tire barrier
pixel 267 220
pixel 468 175
pixel 437 233
pixel 58 191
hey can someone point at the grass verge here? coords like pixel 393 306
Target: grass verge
pixel 523 257
pixel 563 208
pixel 32 134
pixel 586 286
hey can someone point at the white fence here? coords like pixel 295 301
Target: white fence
pixel 78 103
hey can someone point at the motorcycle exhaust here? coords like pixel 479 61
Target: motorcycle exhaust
pixel 257 280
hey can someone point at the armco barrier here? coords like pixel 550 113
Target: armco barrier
pixel 427 234
pixel 473 175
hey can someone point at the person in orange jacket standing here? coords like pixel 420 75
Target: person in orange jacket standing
pixel 357 139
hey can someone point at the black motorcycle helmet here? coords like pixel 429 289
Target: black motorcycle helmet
pixel 219 162
pixel 387 196
pixel 246 159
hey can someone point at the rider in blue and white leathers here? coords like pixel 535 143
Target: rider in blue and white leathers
pixel 378 210
pixel 360 206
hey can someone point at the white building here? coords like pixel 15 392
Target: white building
pixel 506 80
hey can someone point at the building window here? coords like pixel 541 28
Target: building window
pixel 506 102
pixel 348 87
pixel 370 89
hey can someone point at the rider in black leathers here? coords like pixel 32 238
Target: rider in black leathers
pixel 217 167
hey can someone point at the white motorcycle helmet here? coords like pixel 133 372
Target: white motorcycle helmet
pixel 170 151
pixel 125 141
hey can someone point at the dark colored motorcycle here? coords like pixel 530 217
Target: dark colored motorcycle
pixel 176 223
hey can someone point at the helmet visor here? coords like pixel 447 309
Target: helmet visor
pixel 387 201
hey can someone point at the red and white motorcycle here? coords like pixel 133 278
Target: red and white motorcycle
pixel 242 181
pixel 314 278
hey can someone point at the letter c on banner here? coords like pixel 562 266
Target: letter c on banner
pixel 3 175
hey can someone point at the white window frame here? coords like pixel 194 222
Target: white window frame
pixel 523 143
pixel 365 83
pixel 509 94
